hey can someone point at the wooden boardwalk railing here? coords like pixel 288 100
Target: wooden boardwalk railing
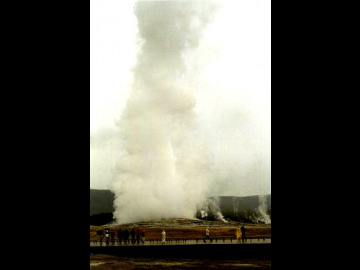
pixel 186 240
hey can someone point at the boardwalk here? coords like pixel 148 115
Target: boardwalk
pixel 209 251
pixel 178 241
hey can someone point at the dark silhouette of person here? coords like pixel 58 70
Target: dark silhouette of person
pixel 243 235
pixel 119 235
pixel 112 234
pixel 132 233
pixel 100 233
pixel 207 234
pixel 143 236
pixel 138 233
pixel 163 237
pixel 126 237
pixel 107 236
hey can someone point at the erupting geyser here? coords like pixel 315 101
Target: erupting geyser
pixel 163 172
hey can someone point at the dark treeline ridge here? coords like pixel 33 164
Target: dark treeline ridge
pixel 101 219
pixel 101 201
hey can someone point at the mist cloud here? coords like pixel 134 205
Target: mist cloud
pixel 178 140
pixel 163 171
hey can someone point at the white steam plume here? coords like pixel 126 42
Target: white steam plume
pixel 211 208
pixel 263 210
pixel 163 172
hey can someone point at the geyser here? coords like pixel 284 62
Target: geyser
pixel 163 171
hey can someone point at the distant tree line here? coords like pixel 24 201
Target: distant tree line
pixel 101 201
pixel 101 219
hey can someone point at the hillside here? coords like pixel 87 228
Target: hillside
pixel 230 204
pixel 101 201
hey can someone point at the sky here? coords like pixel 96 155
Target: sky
pixel 230 72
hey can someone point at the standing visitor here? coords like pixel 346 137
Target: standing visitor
pixel 126 237
pixel 238 233
pixel 243 236
pixel 138 233
pixel 132 233
pixel 163 237
pixel 143 236
pixel 100 233
pixel 119 235
pixel 207 234
pixel 112 234
pixel 107 236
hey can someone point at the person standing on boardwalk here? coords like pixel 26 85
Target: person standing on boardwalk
pixel 207 234
pixel 243 235
pixel 112 234
pixel 126 236
pixel 163 237
pixel 132 233
pixel 138 233
pixel 119 235
pixel 107 236
pixel 100 233
pixel 143 236
pixel 238 233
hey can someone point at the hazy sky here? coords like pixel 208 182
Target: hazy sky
pixel 231 73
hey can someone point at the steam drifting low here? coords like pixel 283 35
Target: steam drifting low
pixel 163 172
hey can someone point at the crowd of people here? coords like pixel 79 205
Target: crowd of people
pixel 138 236
pixel 123 236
